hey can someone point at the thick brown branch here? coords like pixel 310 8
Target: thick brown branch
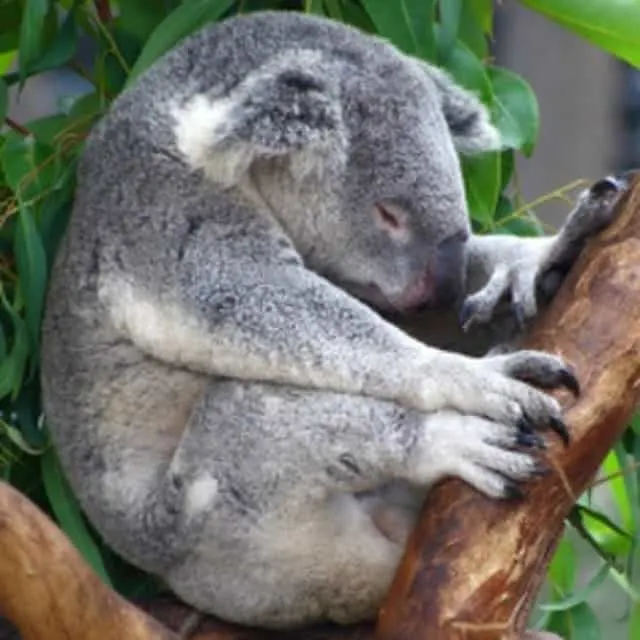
pixel 474 566
pixel 48 591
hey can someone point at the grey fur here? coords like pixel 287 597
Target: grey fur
pixel 232 417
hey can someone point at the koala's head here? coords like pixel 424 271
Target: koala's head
pixel 357 158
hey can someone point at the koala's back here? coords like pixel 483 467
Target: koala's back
pixel 116 414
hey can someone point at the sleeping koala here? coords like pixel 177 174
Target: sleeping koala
pixel 232 410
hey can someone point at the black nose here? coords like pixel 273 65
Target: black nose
pixel 450 269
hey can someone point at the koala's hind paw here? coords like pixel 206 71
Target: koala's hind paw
pixel 492 457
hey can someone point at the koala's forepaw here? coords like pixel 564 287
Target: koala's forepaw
pixel 542 370
pixel 593 212
pixel 515 283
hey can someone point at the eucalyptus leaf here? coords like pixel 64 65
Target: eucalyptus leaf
pixel 32 33
pixel 482 184
pixel 32 272
pixel 407 23
pixel 4 99
pixel 450 12
pixel 68 514
pixel 181 22
pixel 515 110
pixel 612 25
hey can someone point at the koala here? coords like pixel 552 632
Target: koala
pixel 229 399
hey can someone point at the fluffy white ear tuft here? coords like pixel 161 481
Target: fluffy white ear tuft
pixel 289 105
pixel 468 119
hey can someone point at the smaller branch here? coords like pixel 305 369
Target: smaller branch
pixel 16 126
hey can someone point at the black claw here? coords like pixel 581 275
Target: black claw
pixel 560 428
pixel 513 492
pixel 606 186
pixel 541 469
pixel 529 439
pixel 569 380
pixel 467 314
pixel 525 424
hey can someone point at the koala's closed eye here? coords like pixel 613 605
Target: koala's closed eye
pixel 388 217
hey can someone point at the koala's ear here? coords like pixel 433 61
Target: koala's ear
pixel 468 119
pixel 291 105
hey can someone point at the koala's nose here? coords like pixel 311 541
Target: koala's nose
pixel 450 268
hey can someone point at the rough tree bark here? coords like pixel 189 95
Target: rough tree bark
pixel 473 566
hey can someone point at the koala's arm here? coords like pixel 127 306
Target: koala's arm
pixel 235 316
pixel 235 303
pixel 509 278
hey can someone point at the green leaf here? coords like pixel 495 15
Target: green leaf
pixel 583 623
pixel 68 514
pixel 4 100
pixel 355 15
pixel 54 215
pixel 61 50
pixel 506 221
pixel 515 110
pixel 562 569
pixel 581 595
pixel 587 514
pixel 11 12
pixel 482 11
pixel 12 367
pixel 333 9
pixel 408 24
pixel 140 17
pixel 482 184
pixel 612 465
pixel 476 20
pixel 314 7
pixel 634 623
pixel 18 439
pixel 612 25
pixel 468 70
pixel 630 482
pixel 177 25
pixel 32 33
pixel 7 58
pixel 450 12
pixel 29 417
pixel 32 272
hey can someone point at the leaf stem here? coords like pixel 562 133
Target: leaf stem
pixel 16 126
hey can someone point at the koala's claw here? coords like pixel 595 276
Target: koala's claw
pixel 594 211
pixel 543 370
pixel 528 439
pixel 467 314
pixel 546 371
pixel 515 284
pixel 513 492
pixel 541 469
pixel 560 428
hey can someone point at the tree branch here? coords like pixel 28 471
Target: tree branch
pixel 473 566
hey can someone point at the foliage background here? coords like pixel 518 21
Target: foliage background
pixel 37 172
